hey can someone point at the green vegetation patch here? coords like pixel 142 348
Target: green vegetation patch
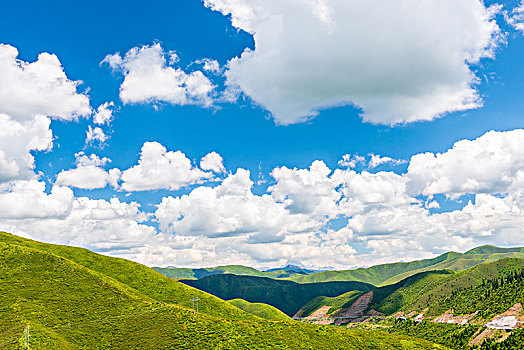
pixel 264 311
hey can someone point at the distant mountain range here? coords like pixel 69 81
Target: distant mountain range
pixel 377 275
pixel 294 268
pixel 287 271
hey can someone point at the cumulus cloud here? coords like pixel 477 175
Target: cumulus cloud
pixel 306 191
pixel 230 209
pixel 40 87
pixel 158 168
pixel 28 199
pixel 113 227
pixel 17 140
pixel 150 78
pixel 491 164
pixel 229 224
pixel 89 173
pixel 104 113
pixel 213 162
pixel 94 135
pixel 385 211
pixel 398 61
pixel 30 93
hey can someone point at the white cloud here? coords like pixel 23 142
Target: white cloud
pixel 209 65
pixel 349 161
pixel 400 61
pixel 17 140
pixel 30 93
pixel 89 173
pixel 516 17
pixel 94 135
pixel 104 113
pixel 230 209
pixel 93 160
pixel 306 191
pixel 150 79
pixel 40 87
pixel 213 162
pixel 489 164
pixel 229 224
pixel 110 226
pixel 27 199
pixel 158 168
pixel 377 160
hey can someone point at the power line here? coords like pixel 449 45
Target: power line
pixel 195 300
pixel 26 332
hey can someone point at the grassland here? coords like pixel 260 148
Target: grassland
pixel 461 281
pixel 463 292
pixel 75 299
pixel 264 311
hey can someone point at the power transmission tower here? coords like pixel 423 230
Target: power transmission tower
pixel 195 300
pixel 26 333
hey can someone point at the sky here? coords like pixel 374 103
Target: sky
pixel 327 133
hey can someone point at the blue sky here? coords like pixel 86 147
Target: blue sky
pixel 295 84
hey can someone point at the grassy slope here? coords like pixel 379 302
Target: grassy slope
pixel 342 301
pixel 431 289
pixel 467 297
pixel 264 311
pixel 134 275
pixel 286 296
pixel 70 305
pixel 391 298
pixel 391 273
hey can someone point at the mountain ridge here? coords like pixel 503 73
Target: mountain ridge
pixel 378 275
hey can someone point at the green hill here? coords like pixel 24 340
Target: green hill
pixel 464 292
pixel 391 298
pixel 385 274
pixel 264 311
pixel 342 301
pixel 72 298
pixel 471 290
pixel 139 277
pixel 489 249
pixel 286 296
